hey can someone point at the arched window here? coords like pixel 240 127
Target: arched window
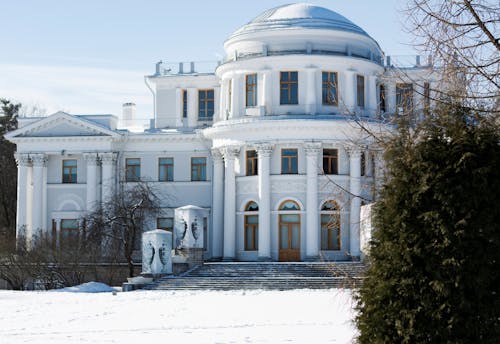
pixel 289 231
pixel 251 226
pixel 330 226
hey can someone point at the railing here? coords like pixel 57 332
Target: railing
pixel 408 61
pixel 164 68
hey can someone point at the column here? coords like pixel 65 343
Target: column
pixel 108 161
pixel 192 107
pixel 267 91
pixel 264 171
pixel 311 91
pixel 390 98
pixel 39 167
pixel 372 100
pixel 178 107
pixel 92 162
pixel 348 103
pixel 312 150
pixel 378 178
pixel 236 106
pixel 23 165
pixel 217 101
pixel 355 190
pixel 217 203
pixel 230 153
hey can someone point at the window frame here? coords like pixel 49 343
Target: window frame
pixel 330 158
pixel 331 244
pixel 200 168
pixel 203 104
pixel 290 86
pixel 71 240
pixel 168 167
pixel 184 103
pixel 327 86
pixel 251 90
pixel 130 175
pixel 74 168
pixel 360 91
pixel 252 163
pixel 289 159
pixel 404 97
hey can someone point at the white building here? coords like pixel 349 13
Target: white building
pixel 270 143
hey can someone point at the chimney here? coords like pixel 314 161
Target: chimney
pixel 128 114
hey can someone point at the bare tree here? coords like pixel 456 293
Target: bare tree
pixel 462 37
pixel 123 218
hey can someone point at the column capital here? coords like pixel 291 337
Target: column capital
pixel 108 158
pixel 230 152
pixel 312 148
pixel 216 155
pixel 39 159
pixel 354 151
pixel 22 159
pixel 91 158
pixel 264 149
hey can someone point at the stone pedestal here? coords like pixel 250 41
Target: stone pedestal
pixel 156 252
pixel 189 223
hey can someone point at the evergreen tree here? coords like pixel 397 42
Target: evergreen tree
pixel 433 269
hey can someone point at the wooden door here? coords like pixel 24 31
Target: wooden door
pixel 289 238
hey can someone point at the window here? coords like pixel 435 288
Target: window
pixel 329 88
pixel 330 226
pixel 363 163
pixel 289 88
pixel 166 169
pixel 330 161
pixel 251 90
pixel 165 223
pixel 404 98
pixel 251 226
pixel 205 105
pixel 198 169
pixel 360 88
pixel 69 233
pixel 184 104
pixel 381 101
pixel 251 163
pixel 69 171
pixel 132 170
pixel 427 98
pixel 289 231
pixel 289 161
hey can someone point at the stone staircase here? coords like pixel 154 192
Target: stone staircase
pixel 265 275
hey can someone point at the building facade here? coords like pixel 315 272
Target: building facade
pixel 273 142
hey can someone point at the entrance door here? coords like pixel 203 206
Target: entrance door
pixel 289 238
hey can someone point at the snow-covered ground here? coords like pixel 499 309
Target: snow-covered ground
pixel 300 316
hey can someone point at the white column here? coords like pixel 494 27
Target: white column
pixel 217 101
pixel 108 161
pixel 312 150
pixel 267 91
pixel 264 171
pixel 39 166
pixel 217 203
pixel 178 107
pixel 230 153
pixel 236 102
pixel 23 165
pixel 372 100
pixel 311 91
pixel 378 178
pixel 355 190
pixel 192 107
pixel 222 98
pixel 348 103
pixel 92 162
pixel 390 98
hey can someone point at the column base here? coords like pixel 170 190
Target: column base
pixel 264 259
pixel 312 259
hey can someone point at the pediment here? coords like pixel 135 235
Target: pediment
pixel 61 124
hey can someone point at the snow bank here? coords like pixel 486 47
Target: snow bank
pixel 89 287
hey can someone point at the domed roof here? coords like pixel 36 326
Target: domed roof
pixel 299 16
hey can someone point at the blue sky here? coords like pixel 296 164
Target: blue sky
pixel 91 56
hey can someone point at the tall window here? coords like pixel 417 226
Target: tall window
pixel 329 88
pixel 166 169
pixel 205 105
pixel 69 168
pixel 404 98
pixel 381 100
pixel 132 169
pixel 251 226
pixel 330 161
pixel 330 226
pixel 198 169
pixel 289 161
pixel 70 233
pixel 165 223
pixel 360 90
pixel 363 163
pixel 251 161
pixel 251 90
pixel 289 88
pixel 184 104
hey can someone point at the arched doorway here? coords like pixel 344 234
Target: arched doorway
pixel 289 231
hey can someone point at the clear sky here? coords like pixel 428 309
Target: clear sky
pixel 91 56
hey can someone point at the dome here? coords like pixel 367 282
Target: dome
pixel 299 16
